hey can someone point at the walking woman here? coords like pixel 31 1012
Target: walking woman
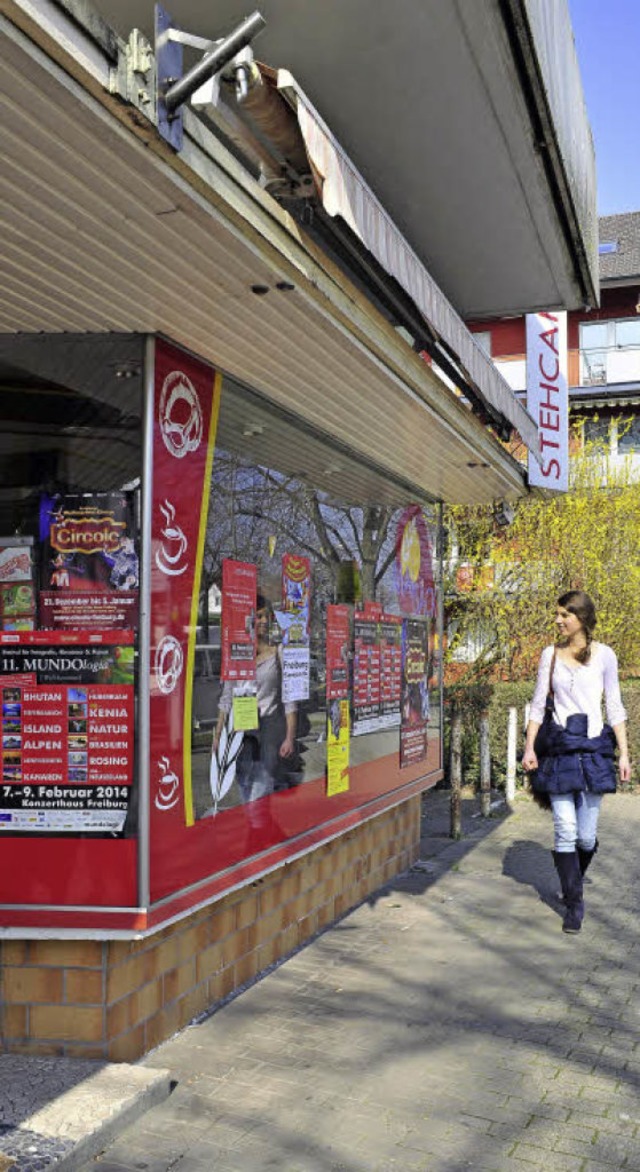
pixel 569 751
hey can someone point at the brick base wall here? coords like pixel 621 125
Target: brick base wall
pixel 117 1000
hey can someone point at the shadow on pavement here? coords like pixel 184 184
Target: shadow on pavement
pixel 528 862
pixel 439 852
pixel 459 1031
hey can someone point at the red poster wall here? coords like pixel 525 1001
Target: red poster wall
pixel 185 853
pixel 192 861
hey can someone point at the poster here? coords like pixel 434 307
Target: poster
pixel 296 599
pixel 390 670
pixel 185 415
pixel 89 562
pixel 17 591
pixel 244 706
pixel 296 669
pixel 337 654
pixel 415 696
pixel 293 621
pixel 414 576
pixel 238 636
pixel 16 559
pixel 338 734
pixel 17 606
pixel 67 731
pixel 372 610
pixel 366 674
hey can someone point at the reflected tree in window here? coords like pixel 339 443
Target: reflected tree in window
pixel 257 513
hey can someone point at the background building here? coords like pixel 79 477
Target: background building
pixel 603 342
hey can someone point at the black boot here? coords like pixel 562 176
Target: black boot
pixel 568 868
pixel 585 857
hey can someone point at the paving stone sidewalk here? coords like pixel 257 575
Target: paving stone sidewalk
pixel 446 1024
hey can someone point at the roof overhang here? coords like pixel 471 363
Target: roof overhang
pixel 106 229
pixel 613 395
pixel 466 119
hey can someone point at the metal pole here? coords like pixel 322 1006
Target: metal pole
pixel 456 773
pixel 440 626
pixel 485 766
pixel 213 62
pixel 144 780
pixel 512 735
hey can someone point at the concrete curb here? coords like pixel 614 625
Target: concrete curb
pixel 57 1113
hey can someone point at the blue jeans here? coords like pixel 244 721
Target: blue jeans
pixel 575 820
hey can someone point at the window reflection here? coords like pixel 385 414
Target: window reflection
pixel 363 550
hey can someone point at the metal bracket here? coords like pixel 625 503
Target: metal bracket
pixel 174 87
pixel 169 58
pixel 134 77
pixel 179 37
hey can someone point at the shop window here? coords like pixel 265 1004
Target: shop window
pixel 70 444
pixel 319 530
pixel 286 578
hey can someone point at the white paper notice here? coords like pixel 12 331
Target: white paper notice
pixel 296 666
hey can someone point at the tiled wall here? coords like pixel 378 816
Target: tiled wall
pixel 118 1000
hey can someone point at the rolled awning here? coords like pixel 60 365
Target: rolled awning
pixel 345 194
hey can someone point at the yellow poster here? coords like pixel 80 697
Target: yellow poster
pixel 338 734
pixel 245 710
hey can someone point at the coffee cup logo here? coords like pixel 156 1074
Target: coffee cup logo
pixel 180 415
pixel 173 545
pixel 168 664
pixel 168 786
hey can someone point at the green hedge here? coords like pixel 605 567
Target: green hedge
pixel 498 699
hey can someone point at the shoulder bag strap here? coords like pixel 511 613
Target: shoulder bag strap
pixel 550 704
pixel 551 671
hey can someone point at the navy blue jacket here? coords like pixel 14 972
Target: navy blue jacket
pixel 570 761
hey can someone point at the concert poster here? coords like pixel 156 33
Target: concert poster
pixel 415 695
pixel 89 574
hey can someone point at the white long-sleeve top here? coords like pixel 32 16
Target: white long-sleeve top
pixel 269 684
pixel 579 687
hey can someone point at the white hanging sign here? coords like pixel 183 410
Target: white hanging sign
pixel 548 398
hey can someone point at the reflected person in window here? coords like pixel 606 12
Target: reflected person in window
pixel 262 762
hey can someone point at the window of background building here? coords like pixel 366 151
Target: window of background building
pixel 596 431
pixel 628 436
pixel 627 333
pixel 593 353
pixel 610 351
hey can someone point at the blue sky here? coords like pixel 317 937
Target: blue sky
pixel 607 35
